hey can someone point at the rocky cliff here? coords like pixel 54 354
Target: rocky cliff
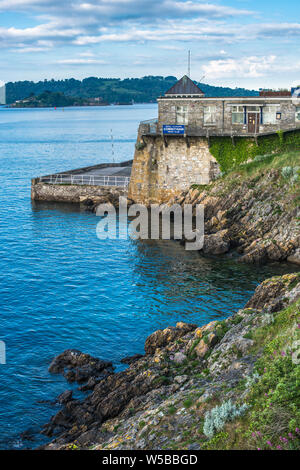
pixel 232 384
pixel 253 210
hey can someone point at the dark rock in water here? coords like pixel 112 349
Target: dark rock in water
pixel 92 382
pixel 65 397
pixel 79 367
pixel 131 359
pixel 28 435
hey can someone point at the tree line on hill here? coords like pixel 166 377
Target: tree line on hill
pixel 110 90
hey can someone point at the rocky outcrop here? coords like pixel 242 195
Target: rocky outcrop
pixel 276 293
pixel 256 216
pixel 295 257
pixel 78 367
pixel 162 396
pixel 217 243
pixel 162 338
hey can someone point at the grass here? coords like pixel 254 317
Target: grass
pixel 269 162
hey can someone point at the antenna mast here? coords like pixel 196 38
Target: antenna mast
pixel 189 64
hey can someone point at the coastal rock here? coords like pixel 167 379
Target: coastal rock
pixel 217 243
pixel 79 367
pixel 295 257
pixel 201 349
pixel 179 358
pixel 254 215
pixel 161 338
pixel 129 360
pixel 271 295
pixel 64 397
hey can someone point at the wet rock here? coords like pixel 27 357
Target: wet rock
pixel 65 397
pixel 79 367
pixel 131 359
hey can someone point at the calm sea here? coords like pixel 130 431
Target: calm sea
pixel 63 288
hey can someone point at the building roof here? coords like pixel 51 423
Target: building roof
pixel 185 86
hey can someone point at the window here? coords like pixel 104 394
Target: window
pixel 253 109
pixel 182 115
pixel 298 113
pixel 210 115
pixel 269 114
pixel 238 115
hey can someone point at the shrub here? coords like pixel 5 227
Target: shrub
pixel 252 379
pixel 289 172
pixel 216 418
pixel 140 145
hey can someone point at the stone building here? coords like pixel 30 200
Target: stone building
pixel 173 151
pixel 185 104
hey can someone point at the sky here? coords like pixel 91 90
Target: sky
pixel 247 43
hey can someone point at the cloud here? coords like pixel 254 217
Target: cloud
pixel 247 67
pixel 158 9
pixel 143 10
pixel 79 61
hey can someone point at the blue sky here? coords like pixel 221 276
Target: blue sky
pixel 233 42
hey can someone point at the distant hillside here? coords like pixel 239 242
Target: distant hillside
pixel 112 90
pixel 49 99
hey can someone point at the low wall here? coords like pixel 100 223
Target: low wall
pixel 72 193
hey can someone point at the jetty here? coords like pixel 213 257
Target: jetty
pixel 79 184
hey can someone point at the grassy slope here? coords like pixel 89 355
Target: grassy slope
pixel 273 419
pixel 252 172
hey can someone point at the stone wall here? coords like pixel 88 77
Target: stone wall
pixel 73 193
pixel 165 166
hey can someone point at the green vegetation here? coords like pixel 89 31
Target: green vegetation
pixel 231 154
pixel 112 90
pixel 49 99
pixel 273 418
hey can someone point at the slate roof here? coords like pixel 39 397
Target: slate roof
pixel 185 86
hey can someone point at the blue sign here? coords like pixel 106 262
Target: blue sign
pixel 178 130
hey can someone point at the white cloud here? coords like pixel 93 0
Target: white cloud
pixel 79 61
pixel 247 67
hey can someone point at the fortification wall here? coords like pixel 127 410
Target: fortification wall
pixel 164 167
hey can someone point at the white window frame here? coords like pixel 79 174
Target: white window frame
pixel 210 115
pixel 182 115
pixel 238 115
pixel 297 114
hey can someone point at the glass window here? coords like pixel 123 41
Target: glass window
pixel 238 115
pixel 269 114
pixel 210 115
pixel 298 113
pixel 182 114
pixel 253 109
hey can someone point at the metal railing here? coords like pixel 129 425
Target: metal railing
pixel 90 180
pixel 149 127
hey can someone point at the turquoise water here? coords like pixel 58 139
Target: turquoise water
pixel 63 288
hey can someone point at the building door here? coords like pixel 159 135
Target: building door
pixel 253 123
